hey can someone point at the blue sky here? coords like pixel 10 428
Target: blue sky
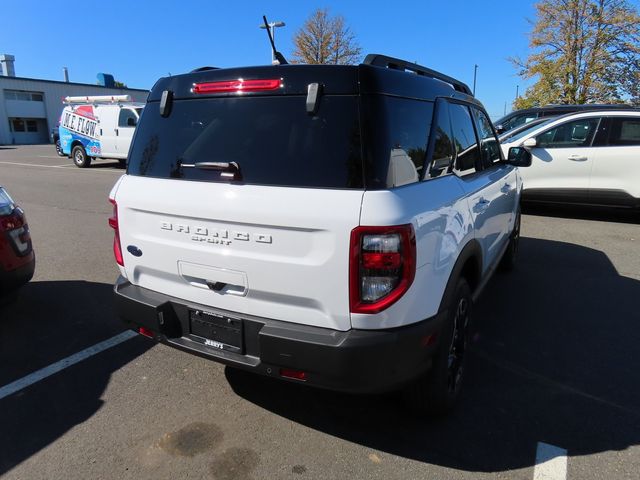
pixel 138 42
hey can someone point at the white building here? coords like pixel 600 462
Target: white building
pixel 30 108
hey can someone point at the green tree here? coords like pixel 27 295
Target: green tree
pixel 119 84
pixel 325 40
pixel 583 51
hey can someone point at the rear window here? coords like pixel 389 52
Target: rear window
pixel 273 140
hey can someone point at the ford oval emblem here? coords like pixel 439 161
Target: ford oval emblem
pixel 135 251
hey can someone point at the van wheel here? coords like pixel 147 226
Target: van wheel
pixel 508 261
pixel 436 392
pixel 122 162
pixel 59 149
pixel 80 157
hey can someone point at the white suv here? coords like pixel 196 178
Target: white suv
pixel 321 224
pixel 588 158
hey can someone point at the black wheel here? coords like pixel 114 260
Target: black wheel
pixel 59 148
pixel 509 258
pixel 80 157
pixel 436 392
pixel 122 162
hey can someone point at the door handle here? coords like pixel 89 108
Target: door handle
pixel 116 131
pixel 577 158
pixel 481 205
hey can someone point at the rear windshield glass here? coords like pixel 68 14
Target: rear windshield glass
pixel 273 140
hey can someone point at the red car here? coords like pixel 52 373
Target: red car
pixel 17 260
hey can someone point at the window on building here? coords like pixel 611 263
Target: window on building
pixel 17 125
pixel 32 126
pixel 23 96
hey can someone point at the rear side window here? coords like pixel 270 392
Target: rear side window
pixel 577 133
pixel 489 146
pixel 624 132
pixel 397 132
pixel 518 120
pixel 442 156
pixel 273 140
pixel 464 139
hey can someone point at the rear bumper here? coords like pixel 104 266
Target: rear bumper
pixel 357 361
pixel 12 279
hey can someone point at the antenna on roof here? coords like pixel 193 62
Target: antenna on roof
pixel 276 54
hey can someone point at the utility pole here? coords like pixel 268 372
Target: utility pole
pixel 517 90
pixel 475 71
pixel 272 29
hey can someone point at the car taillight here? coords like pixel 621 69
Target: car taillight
pixel 113 223
pixel 382 266
pixel 15 224
pixel 238 86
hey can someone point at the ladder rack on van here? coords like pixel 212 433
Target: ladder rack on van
pixel 378 60
pixel 98 99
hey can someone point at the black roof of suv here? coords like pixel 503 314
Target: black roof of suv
pixel 520 117
pixel 322 126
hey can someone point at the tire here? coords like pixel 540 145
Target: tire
pixel 508 261
pixel 122 162
pixel 59 149
pixel 437 392
pixel 80 157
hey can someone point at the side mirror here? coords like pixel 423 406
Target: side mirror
pixel 499 128
pixel 519 157
pixel 530 143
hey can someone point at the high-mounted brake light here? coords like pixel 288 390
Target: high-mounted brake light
pixel 382 266
pixel 238 86
pixel 113 223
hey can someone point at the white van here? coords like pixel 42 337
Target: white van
pixel 98 126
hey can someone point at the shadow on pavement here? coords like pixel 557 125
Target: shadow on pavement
pixel 48 322
pixel 108 164
pixel 601 214
pixel 555 360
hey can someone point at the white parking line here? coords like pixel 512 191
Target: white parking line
pixel 551 463
pixel 48 156
pixel 45 372
pixel 34 165
pixel 92 170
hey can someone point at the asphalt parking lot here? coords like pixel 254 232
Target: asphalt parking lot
pixel 553 371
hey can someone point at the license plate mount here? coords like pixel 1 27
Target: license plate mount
pixel 217 331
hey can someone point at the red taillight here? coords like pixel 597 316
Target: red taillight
pixel 238 86
pixel 113 223
pixel 382 266
pixel 146 332
pixel 295 374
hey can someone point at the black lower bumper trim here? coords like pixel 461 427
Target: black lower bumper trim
pixel 355 361
pixel 12 279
